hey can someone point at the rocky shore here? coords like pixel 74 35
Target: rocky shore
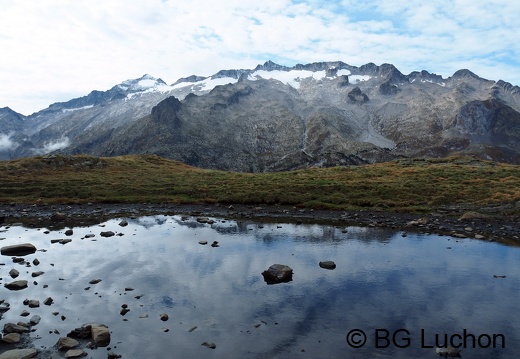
pixel 500 223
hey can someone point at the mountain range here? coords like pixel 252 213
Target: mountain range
pixel 275 118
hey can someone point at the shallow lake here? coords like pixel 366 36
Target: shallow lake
pixel 404 292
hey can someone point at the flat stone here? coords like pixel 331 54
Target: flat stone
pixel 328 265
pixel 33 303
pixel 107 234
pixel 94 281
pixel 16 285
pixel 36 274
pixel 15 328
pixel 48 301
pixel 66 343
pixel 18 249
pixel 203 242
pixel 75 353
pixel 19 354
pixel 12 338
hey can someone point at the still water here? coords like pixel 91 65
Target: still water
pixel 422 288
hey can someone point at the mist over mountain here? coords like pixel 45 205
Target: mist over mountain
pixel 274 118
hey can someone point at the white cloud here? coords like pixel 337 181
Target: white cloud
pixel 6 143
pixel 53 146
pixel 61 49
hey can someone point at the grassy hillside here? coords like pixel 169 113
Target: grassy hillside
pixel 404 185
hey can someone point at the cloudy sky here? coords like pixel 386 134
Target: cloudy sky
pixel 55 50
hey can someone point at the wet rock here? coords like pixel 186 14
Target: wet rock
pixel 14 273
pixel 15 328
pixel 36 261
pixel 90 235
pixel 479 236
pixel 278 273
pixel 209 345
pixel 16 285
pixel 48 301
pixel 112 355
pixel 203 242
pixel 94 281
pixel 164 317
pixel 35 319
pixel 107 234
pixel 75 353
pixel 19 354
pixel 66 343
pixel 24 313
pixel 328 265
pixel 11 338
pixel 123 223
pixel 100 335
pixel 215 244
pixel 499 276
pixel 18 250
pixel 36 274
pixel 65 241
pixel 69 232
pixel 124 311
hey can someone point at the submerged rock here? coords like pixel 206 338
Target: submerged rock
pixel 278 273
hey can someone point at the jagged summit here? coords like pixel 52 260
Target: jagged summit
pixel 145 82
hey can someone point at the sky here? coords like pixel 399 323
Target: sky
pixel 56 50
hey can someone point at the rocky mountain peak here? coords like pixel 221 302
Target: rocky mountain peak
pixel 271 66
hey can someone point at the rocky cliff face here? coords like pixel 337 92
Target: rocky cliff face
pixel 276 118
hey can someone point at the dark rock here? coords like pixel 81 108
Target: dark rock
pixel 14 273
pixel 278 273
pixel 58 216
pixel 209 345
pixel 164 317
pixel 94 281
pixel 123 223
pixel 69 232
pixel 16 285
pixel 35 319
pixel 36 274
pixel 11 338
pixel 107 234
pixel 328 265
pixel 48 301
pixel 18 250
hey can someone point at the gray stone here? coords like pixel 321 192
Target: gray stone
pixel 33 303
pixel 48 301
pixel 18 250
pixel 123 223
pixel 19 354
pixel 164 317
pixel 14 273
pixel 69 232
pixel 278 273
pixel 36 274
pixel 16 285
pixel 107 234
pixel 35 319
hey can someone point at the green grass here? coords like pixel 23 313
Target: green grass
pixel 405 185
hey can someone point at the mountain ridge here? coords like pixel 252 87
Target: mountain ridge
pixel 275 117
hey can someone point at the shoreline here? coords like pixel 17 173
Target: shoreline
pixel 483 223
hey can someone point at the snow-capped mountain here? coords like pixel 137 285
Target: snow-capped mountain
pixel 274 117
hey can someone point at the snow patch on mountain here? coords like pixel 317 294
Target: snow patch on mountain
pixel 75 109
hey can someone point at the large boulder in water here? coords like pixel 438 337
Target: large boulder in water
pixel 278 273
pixel 18 250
